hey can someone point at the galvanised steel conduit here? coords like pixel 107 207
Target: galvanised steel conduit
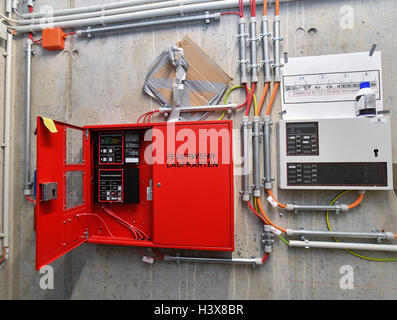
pixel 182 9
pixel 103 13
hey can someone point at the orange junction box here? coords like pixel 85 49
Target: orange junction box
pixel 53 39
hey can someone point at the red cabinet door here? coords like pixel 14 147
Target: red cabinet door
pixel 193 187
pixel 60 206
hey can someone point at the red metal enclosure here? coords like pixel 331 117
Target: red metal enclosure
pixel 183 183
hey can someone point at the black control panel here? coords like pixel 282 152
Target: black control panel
pixel 302 174
pixel 117 166
pixel 111 148
pixel 131 145
pixel 302 139
pixel 111 185
pixel 338 174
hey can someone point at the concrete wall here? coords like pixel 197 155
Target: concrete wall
pixel 99 81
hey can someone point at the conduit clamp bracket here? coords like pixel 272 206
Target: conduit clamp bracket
pixel 89 34
pixel 264 35
pixel 338 208
pixel 207 17
pixel 379 238
pixel 254 66
pixel 277 39
pixel 266 61
pixel 277 65
pixel 243 61
pixel 242 35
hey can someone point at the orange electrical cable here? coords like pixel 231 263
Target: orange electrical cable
pixel 267 218
pixel 3 257
pixel 264 7
pixel 357 202
pixel 263 97
pixel 273 97
pixel 277 10
pixel 269 192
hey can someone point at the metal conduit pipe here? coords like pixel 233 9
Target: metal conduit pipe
pixel 277 39
pixel 6 145
pixel 336 207
pixel 206 18
pixel 182 9
pixel 265 35
pixel 254 60
pixel 267 179
pixel 158 5
pixel 93 8
pixel 252 261
pixel 245 174
pixel 342 245
pixel 99 7
pixel 220 107
pixel 340 234
pixel 256 135
pixel 29 53
pixel 242 35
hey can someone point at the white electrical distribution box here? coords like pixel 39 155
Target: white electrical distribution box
pixel 326 86
pixel 335 154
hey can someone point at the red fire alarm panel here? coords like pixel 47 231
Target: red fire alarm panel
pixel 173 187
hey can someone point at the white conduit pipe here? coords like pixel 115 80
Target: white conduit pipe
pixel 159 5
pixel 93 8
pixel 206 18
pixel 6 145
pixel 101 7
pixel 342 245
pixel 182 9
pixel 252 261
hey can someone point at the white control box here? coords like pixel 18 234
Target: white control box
pixel 335 154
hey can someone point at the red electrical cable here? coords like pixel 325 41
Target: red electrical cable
pixel 95 215
pixel 265 257
pixel 135 230
pixel 246 100
pixel 247 110
pixel 153 112
pixel 241 6
pixel 254 211
pixel 142 117
pixel 253 8
pixel 30 199
pixel 232 12
pixel 154 257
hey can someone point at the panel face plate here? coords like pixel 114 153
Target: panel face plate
pixel 302 139
pixel 326 86
pixel 193 189
pixel 352 152
pixel 337 174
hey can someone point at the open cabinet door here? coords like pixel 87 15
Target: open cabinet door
pixel 60 211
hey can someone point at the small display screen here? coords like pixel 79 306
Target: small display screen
pixel 111 140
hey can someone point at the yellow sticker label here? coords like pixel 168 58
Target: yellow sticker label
pixel 49 123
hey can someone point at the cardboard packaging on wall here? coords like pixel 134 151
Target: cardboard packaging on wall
pixel 205 81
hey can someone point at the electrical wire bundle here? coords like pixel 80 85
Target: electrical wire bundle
pixel 138 233
pixel 147 116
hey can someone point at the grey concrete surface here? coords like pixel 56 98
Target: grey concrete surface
pixel 99 81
